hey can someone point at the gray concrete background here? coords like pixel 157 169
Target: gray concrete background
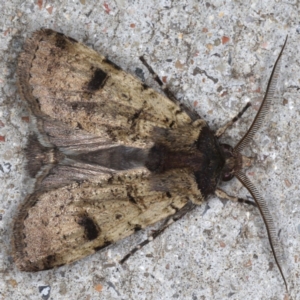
pixel 220 250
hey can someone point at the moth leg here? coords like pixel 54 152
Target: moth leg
pixel 221 130
pixel 170 220
pixel 193 115
pixel 223 195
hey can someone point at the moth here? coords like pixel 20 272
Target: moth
pixel 112 156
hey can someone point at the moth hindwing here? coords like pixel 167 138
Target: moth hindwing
pixel 110 155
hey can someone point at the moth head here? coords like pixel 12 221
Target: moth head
pixel 233 162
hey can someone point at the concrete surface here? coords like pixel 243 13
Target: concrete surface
pixel 216 55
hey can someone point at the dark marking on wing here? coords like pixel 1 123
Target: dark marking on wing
pixel 144 86
pixel 118 216
pixel 175 208
pixel 48 261
pixel 71 40
pixel 106 244
pixel 131 198
pixel 61 41
pixel 108 61
pixel 137 227
pixel 135 117
pixel 172 124
pixel 97 81
pixel 50 31
pixel 91 230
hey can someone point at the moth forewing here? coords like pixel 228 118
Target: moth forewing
pixel 109 154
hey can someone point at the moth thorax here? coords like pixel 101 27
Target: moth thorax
pixel 233 162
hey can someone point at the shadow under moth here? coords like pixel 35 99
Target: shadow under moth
pixel 112 156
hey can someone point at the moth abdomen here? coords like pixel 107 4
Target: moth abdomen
pixel 115 158
pixel 39 156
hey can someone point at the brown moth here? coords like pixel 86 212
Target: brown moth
pixel 111 156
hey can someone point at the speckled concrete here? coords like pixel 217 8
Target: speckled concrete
pixel 216 55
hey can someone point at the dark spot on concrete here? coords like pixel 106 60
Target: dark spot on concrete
pixel 45 291
pixel 140 74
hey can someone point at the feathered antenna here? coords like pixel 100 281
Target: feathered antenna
pixel 265 105
pixel 256 124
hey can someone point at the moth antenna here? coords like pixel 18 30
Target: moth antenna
pixel 268 220
pixel 265 105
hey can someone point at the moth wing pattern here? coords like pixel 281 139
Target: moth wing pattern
pixel 85 90
pixel 81 218
pixel 91 117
